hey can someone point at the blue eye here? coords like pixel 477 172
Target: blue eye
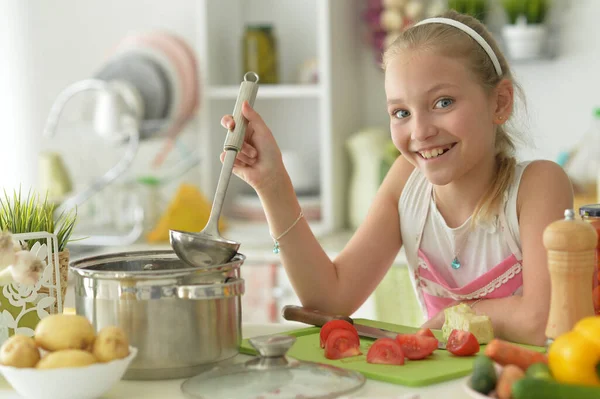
pixel 444 103
pixel 401 113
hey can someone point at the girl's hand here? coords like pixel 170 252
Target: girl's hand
pixel 259 162
pixel 436 322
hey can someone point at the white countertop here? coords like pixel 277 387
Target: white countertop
pixel 171 388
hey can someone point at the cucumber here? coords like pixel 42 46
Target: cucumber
pixel 484 378
pixel 533 388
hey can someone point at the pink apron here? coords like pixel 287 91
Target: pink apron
pixel 500 281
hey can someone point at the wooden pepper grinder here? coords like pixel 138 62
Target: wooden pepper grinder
pixel 571 246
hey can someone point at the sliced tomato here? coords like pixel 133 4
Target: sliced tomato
pixel 426 332
pixel 415 346
pixel 342 343
pixel 385 351
pixel 333 325
pixel 462 343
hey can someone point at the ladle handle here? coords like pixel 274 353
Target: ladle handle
pixel 248 91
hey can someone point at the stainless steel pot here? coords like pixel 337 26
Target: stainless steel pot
pixel 182 319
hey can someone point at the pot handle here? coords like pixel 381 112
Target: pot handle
pixel 232 287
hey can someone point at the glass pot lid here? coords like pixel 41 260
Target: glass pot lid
pixel 273 375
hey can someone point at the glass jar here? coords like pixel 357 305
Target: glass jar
pixel 591 214
pixel 260 53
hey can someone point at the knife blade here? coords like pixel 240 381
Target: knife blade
pixel 318 318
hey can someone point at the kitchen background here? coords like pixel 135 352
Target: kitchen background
pixel 329 107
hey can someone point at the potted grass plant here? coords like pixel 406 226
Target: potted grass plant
pixel 475 8
pixel 31 213
pixel 525 33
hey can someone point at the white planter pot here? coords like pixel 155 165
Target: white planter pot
pixel 525 41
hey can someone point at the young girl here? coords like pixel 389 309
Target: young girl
pixel 469 216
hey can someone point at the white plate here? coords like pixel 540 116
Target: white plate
pixel 67 383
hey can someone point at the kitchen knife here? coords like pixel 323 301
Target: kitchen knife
pixel 317 318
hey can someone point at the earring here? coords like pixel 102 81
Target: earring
pixel 500 118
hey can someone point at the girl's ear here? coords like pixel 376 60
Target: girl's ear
pixel 503 101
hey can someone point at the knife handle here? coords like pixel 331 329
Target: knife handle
pixel 308 316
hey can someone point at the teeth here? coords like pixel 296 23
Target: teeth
pixel 433 153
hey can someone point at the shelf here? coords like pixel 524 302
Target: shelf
pixel 268 91
pixel 312 119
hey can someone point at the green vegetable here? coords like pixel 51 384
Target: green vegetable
pixel 484 376
pixel 540 371
pixel 462 317
pixel 532 388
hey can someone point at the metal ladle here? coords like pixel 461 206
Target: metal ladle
pixel 207 247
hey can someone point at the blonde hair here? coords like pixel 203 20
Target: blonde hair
pixel 451 41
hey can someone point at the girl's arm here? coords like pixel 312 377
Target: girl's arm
pixel 544 194
pixel 342 285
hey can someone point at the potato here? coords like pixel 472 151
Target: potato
pixel 111 343
pixel 19 351
pixel 66 358
pixel 64 331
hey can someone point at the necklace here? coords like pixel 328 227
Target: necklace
pixel 455 264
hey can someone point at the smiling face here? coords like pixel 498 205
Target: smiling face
pixel 441 118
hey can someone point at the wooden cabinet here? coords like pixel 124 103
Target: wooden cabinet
pixel 311 120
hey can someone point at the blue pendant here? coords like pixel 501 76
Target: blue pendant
pixel 455 263
pixel 276 248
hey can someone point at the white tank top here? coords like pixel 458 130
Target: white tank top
pixel 480 248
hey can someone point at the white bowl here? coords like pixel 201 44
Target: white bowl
pixel 473 393
pixel 67 383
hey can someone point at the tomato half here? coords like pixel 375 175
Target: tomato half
pixel 426 332
pixel 415 346
pixel 385 351
pixel 333 325
pixel 342 343
pixel 462 343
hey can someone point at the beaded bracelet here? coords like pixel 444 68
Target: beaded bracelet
pixel 276 240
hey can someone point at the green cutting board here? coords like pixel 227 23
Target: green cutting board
pixel 440 366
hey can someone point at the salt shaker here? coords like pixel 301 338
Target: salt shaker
pixel 571 246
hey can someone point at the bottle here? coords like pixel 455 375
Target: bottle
pixel 571 245
pixel 582 164
pixel 260 53
pixel 366 149
pixel 591 214
pixel 151 201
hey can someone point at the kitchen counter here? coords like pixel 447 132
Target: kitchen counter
pixel 171 388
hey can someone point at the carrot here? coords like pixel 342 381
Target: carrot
pixel 509 375
pixel 504 353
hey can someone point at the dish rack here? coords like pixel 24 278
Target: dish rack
pixel 147 88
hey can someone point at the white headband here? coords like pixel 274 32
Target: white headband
pixel 470 32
